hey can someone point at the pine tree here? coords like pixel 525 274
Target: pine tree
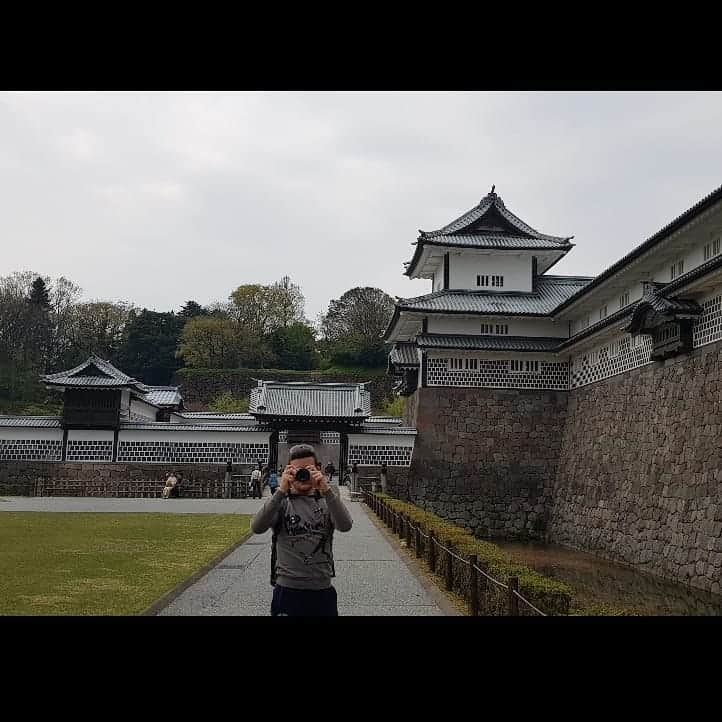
pixel 39 294
pixel 192 309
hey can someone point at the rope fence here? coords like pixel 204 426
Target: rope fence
pixel 402 525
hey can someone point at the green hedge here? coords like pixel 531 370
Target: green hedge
pixel 551 596
pixel 203 385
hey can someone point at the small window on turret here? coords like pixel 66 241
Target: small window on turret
pixel 712 249
pixel 676 270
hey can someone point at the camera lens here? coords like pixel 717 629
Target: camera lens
pixel 302 475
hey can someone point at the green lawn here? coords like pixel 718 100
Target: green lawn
pixel 104 564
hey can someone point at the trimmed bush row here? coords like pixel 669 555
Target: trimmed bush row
pixel 550 596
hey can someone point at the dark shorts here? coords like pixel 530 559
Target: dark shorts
pixel 304 602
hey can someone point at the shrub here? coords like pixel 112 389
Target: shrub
pixel 226 402
pixel 396 407
pixel 551 596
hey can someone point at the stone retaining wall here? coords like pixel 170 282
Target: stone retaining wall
pixel 486 458
pixel 629 468
pixel 640 472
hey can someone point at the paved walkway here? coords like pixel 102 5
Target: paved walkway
pixel 372 578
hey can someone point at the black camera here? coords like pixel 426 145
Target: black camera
pixel 302 475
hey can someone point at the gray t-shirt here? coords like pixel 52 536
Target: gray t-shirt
pixel 305 537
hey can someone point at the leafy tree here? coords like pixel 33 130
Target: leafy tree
pixel 252 309
pixel 287 303
pixel 192 309
pixel 210 342
pixel 91 327
pixel 148 348
pixel 33 315
pixel 260 310
pixel 64 297
pixel 354 324
pixel 295 347
pixel 25 337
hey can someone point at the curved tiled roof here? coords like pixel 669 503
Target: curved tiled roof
pixel 310 400
pixel 653 300
pixel 162 395
pixel 52 422
pixel 165 426
pixel 489 343
pixel 109 376
pixel 200 415
pixel 469 231
pixel 373 429
pixel 493 240
pixel 404 354
pixel 551 291
pixel 487 203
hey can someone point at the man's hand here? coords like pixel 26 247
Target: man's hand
pixel 286 479
pixel 319 480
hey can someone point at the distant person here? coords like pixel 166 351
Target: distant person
pixel 330 471
pixel 265 473
pixel 170 484
pixel 273 482
pixel 256 482
pixel 176 490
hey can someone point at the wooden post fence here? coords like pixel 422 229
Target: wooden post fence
pixel 473 587
pixel 401 524
pixel 513 599
pixel 449 568
pixel 432 552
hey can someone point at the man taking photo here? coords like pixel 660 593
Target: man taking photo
pixel 303 513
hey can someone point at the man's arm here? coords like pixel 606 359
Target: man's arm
pixel 268 514
pixel 339 513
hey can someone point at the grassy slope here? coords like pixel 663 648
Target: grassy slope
pixel 104 564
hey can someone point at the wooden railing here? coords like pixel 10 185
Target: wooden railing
pixel 420 542
pixel 195 489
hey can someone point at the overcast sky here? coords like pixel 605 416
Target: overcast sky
pixel 157 198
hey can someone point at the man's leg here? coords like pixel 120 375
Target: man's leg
pixel 328 603
pixel 304 602
pixel 281 605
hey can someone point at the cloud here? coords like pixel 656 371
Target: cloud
pixel 81 144
pixel 162 197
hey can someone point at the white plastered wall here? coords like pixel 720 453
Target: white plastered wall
pixel 239 437
pixel 381 439
pixel 13 433
pixel 89 435
pixel 375 449
pixel 439 323
pixel 143 409
pixel 465 265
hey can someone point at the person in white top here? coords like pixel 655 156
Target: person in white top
pixel 256 482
